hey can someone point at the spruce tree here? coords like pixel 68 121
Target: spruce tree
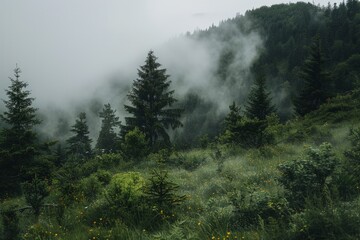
pixel 233 117
pixel 18 139
pixel 259 102
pixel 80 144
pixel 231 123
pixel 151 102
pixel 107 140
pixel 315 80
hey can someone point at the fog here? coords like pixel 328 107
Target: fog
pixel 76 54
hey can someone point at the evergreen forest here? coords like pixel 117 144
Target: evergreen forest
pixel 281 161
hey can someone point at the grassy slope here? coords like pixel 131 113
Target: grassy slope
pixel 211 182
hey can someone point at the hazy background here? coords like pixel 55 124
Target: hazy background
pixel 73 52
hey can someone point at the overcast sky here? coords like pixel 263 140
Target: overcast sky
pixel 66 48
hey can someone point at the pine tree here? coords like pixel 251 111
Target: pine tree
pixel 233 117
pixel 151 102
pixel 231 124
pixel 315 81
pixel 17 140
pixel 107 140
pixel 259 102
pixel 80 143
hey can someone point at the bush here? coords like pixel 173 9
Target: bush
pixel 188 162
pixel 324 222
pixel 307 177
pixel 253 133
pixel 103 176
pixel 10 222
pixel 135 145
pixel 90 187
pixel 67 182
pixel 109 160
pixel 125 198
pixel 162 193
pixel 353 154
pixel 250 210
pixel 125 190
pixel 35 192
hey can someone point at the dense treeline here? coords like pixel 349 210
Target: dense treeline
pixel 251 180
pixel 288 31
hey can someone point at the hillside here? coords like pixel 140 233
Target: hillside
pixel 286 31
pixel 270 166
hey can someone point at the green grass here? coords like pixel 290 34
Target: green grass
pixel 220 183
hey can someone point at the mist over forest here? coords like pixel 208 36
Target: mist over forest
pixel 211 68
pixel 247 129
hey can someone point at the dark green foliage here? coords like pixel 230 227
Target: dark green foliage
pixel 348 181
pixel 189 163
pixel 252 133
pixel 90 187
pixel 231 124
pixel 323 222
pixel 60 155
pixel 10 221
pixel 135 145
pixel 316 81
pixel 259 102
pixel 108 160
pixel 353 154
pixel 252 209
pixel 35 193
pixel 79 145
pixel 67 181
pixel 151 102
pixel 162 193
pixel 308 177
pixel 108 140
pixel 17 139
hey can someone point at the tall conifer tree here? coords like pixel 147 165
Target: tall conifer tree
pixel 151 102
pixel 259 102
pixel 107 140
pixel 80 143
pixel 315 80
pixel 17 140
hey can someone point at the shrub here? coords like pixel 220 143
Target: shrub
pixel 125 190
pixel 161 157
pixel 103 176
pixel 307 177
pixel 67 182
pixel 90 187
pixel 162 193
pixel 188 162
pixel 324 222
pixel 124 199
pixel 252 133
pixel 109 160
pixel 353 154
pixel 10 222
pixel 35 192
pixel 135 145
pixel 250 210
